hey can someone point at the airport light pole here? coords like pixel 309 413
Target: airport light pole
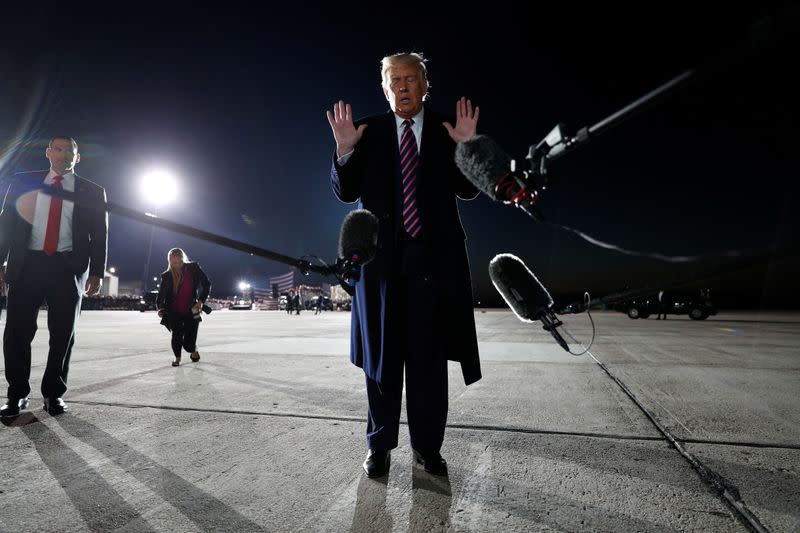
pixel 160 188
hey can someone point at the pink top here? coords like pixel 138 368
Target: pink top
pixel 183 297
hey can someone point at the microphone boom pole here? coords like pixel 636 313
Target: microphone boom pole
pixel 303 266
pixel 764 35
pixel 556 144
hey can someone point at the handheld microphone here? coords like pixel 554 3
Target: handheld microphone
pixel 489 168
pixel 524 294
pixel 358 243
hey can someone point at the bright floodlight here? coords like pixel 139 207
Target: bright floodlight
pixel 159 187
pixel 243 285
pixel 112 270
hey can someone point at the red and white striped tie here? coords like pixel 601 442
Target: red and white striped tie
pixel 409 164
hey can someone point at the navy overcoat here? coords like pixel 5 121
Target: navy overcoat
pixel 370 177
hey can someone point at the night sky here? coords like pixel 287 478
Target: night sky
pixel 232 100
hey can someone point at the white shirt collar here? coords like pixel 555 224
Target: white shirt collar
pixel 69 176
pixel 68 183
pixel 418 118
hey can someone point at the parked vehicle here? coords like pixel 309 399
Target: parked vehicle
pixel 695 304
pixel 241 305
pixel 148 301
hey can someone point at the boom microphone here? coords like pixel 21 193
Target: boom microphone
pixel 358 243
pixel 526 296
pixel 487 166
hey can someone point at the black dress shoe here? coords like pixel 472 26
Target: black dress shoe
pixel 13 407
pixel 377 463
pixel 54 406
pixel 431 461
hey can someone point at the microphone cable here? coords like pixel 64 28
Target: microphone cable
pixel 526 200
pixel 586 300
pixel 722 487
pixel 652 255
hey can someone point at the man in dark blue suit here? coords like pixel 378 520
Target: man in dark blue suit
pixel 413 305
pixel 56 252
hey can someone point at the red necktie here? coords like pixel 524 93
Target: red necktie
pixel 409 163
pixel 53 220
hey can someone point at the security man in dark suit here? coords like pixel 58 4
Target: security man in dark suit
pixel 56 252
pixel 662 305
pixel 413 304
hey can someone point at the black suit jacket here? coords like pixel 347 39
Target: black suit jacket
pixel 370 176
pixel 89 226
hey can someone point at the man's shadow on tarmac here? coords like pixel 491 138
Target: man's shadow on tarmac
pixel 430 502
pixel 85 487
pixel 371 513
pixel 431 498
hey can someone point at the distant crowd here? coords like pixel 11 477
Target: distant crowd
pixel 132 303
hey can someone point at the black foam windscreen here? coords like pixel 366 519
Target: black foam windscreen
pixel 483 162
pixel 359 235
pixel 526 296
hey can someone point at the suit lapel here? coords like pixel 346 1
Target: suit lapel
pixel 429 148
pixel 430 136
pixel 390 160
pixel 80 194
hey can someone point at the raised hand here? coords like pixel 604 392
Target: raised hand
pixel 466 121
pixel 344 132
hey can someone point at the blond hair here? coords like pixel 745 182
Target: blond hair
pixel 179 253
pixel 404 58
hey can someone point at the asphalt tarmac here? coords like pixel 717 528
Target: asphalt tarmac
pixel 673 425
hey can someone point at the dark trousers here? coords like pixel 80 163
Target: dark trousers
pixel 417 349
pixel 184 334
pixel 44 279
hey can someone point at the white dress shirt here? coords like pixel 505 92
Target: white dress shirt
pixel 43 212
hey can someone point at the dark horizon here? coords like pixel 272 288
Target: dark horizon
pixel 238 113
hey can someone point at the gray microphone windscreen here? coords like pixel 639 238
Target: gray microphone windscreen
pixel 359 235
pixel 526 296
pixel 483 162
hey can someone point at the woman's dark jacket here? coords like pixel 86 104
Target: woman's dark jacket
pixel 201 286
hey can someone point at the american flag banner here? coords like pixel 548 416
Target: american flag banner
pixel 261 294
pixel 284 282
